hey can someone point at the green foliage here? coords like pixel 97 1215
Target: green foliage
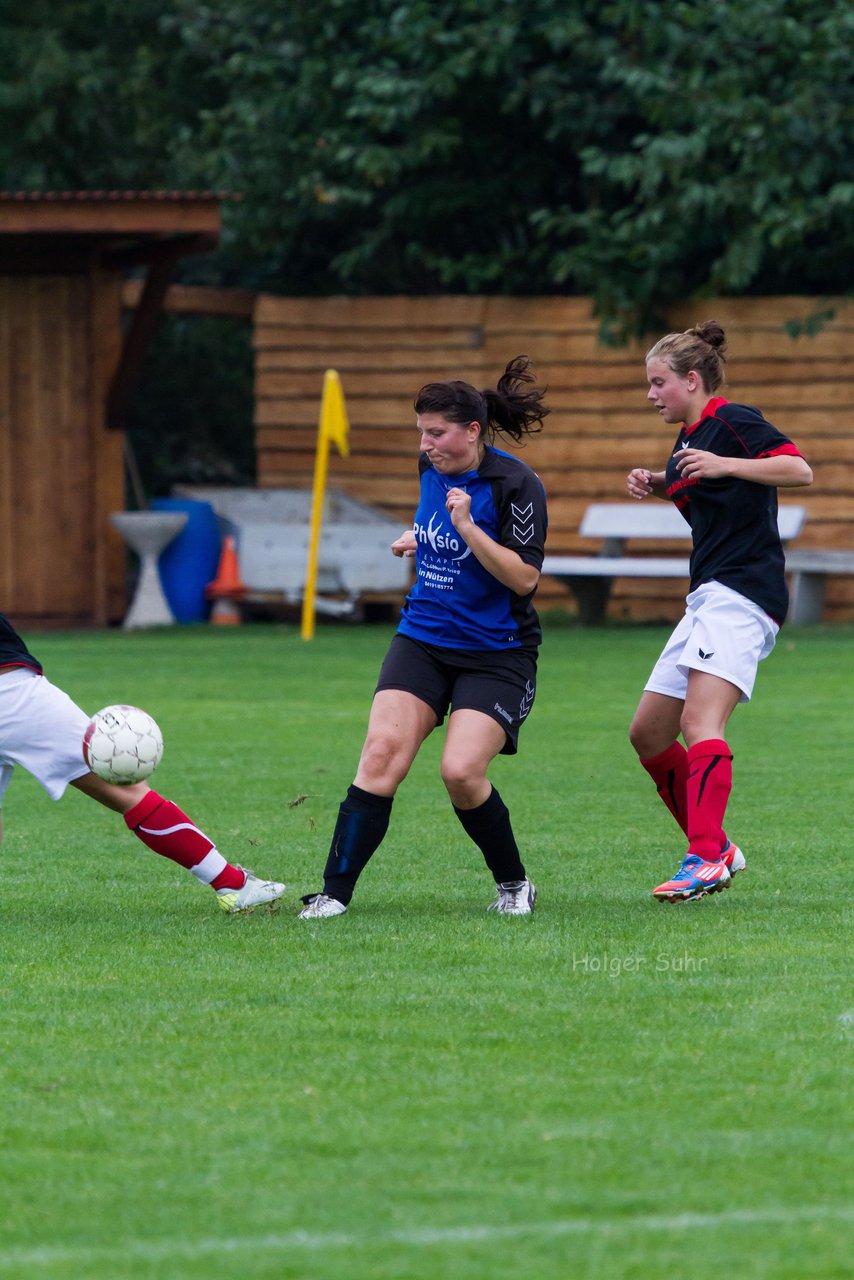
pixel 90 97
pixel 734 178
pixel 638 152
pixel 610 1088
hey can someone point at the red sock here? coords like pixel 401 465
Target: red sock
pixel 163 827
pixel 669 772
pixel 708 786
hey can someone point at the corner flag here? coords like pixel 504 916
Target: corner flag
pixel 333 413
pixel 333 428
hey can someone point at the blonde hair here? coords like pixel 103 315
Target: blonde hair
pixel 702 348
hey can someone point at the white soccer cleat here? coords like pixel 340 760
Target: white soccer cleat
pixel 734 859
pixel 255 893
pixel 515 898
pixel 319 906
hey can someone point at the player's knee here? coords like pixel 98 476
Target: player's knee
pixel 462 779
pixel 382 763
pixel 641 739
pixel 700 726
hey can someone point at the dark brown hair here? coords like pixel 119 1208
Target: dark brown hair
pixel 514 408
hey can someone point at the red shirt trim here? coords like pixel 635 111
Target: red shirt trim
pixel 709 412
pixel 788 449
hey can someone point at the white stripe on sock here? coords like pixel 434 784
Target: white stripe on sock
pixel 169 831
pixel 211 865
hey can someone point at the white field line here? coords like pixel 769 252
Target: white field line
pixel 158 1250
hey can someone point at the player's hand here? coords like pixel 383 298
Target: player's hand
pixel 458 504
pixel 697 464
pixel 405 544
pixel 639 483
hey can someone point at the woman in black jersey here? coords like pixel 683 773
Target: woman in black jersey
pixel 467 642
pixel 723 474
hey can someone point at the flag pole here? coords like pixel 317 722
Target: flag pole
pixel 332 427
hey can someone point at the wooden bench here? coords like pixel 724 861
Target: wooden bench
pixel 589 577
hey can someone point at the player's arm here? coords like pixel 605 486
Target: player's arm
pixel 642 483
pixel 503 563
pixel 779 470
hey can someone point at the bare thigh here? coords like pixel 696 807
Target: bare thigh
pixel 473 740
pixel 398 724
pixel 656 724
pixel 660 719
pixel 709 703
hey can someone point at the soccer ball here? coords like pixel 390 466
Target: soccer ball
pixel 122 745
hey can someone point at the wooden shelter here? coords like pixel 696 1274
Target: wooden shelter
pixel 67 372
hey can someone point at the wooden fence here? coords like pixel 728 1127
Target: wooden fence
pixel 600 426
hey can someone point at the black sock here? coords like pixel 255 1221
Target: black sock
pixel 489 827
pixel 362 822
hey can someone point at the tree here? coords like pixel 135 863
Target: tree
pixel 639 152
pixel 737 176
pixel 636 150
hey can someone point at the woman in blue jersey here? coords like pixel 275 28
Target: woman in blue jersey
pixel 723 474
pixel 468 637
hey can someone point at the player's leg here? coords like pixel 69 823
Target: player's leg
pixel 43 732
pixel 489 707
pixel 729 637
pixel 399 722
pixel 709 703
pixel 168 831
pixel 654 731
pixel 473 741
pixel 654 734
pixel 668 765
pixel 657 723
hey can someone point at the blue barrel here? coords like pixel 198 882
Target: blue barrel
pixel 190 561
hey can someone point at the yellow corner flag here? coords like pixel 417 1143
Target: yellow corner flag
pixel 333 428
pixel 333 414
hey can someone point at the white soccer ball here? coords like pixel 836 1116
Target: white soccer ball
pixel 122 745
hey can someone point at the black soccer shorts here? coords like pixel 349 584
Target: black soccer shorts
pixel 499 682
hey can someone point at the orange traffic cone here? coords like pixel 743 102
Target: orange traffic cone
pixel 227 588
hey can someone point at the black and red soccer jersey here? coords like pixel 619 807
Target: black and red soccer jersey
pixel 13 651
pixel 734 522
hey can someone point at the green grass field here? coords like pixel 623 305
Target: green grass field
pixel 610 1089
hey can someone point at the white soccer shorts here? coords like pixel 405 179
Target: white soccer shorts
pixel 722 633
pixel 41 730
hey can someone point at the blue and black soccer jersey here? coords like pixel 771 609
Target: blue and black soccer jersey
pixel 13 651
pixel 456 603
pixel 734 522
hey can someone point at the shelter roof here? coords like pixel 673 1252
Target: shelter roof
pixel 52 230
